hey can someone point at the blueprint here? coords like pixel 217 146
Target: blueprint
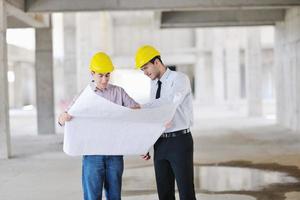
pixel 101 127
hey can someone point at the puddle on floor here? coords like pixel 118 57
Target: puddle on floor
pixel 241 182
pixel 224 178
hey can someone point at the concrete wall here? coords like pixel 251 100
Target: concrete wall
pixel 21 67
pixel 287 58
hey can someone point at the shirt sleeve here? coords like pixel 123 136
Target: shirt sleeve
pixel 127 101
pixel 180 88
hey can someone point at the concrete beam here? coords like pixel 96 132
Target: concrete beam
pixel 214 18
pixel 95 5
pixel 17 18
pixel 20 4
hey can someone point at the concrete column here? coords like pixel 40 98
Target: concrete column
pixel 18 85
pixel 200 84
pixel 4 107
pixel 297 77
pixel 287 59
pixel 44 81
pixel 254 72
pixel 279 40
pixel 297 87
pixel 70 67
pixel 93 34
pixel 218 65
pixel 29 87
pixel 232 74
pixel 203 68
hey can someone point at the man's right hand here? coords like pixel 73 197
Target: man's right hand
pixel 136 107
pixel 146 157
pixel 63 117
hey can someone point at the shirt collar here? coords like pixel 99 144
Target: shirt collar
pixel 165 75
pixel 94 87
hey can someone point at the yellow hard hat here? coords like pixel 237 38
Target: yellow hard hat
pixel 144 54
pixel 101 63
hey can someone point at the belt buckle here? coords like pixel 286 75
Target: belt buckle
pixel 173 134
pixel 166 135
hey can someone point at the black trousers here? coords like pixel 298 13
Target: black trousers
pixel 173 159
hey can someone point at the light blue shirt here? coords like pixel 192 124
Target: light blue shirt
pixel 175 86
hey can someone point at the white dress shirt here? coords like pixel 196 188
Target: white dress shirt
pixel 175 88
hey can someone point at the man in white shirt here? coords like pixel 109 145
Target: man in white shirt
pixel 173 151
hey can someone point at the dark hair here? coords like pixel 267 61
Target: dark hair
pixel 156 57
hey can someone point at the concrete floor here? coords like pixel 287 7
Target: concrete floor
pixel 40 170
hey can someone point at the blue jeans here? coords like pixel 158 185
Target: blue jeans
pixel 99 171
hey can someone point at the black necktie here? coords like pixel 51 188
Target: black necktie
pixel 158 90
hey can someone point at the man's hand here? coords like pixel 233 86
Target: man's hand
pixel 146 157
pixel 136 107
pixel 168 124
pixel 63 117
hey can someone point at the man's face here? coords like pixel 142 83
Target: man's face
pixel 101 80
pixel 151 70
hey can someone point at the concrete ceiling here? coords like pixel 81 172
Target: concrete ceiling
pixel 175 13
pixel 97 5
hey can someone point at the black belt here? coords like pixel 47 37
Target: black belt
pixel 175 133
